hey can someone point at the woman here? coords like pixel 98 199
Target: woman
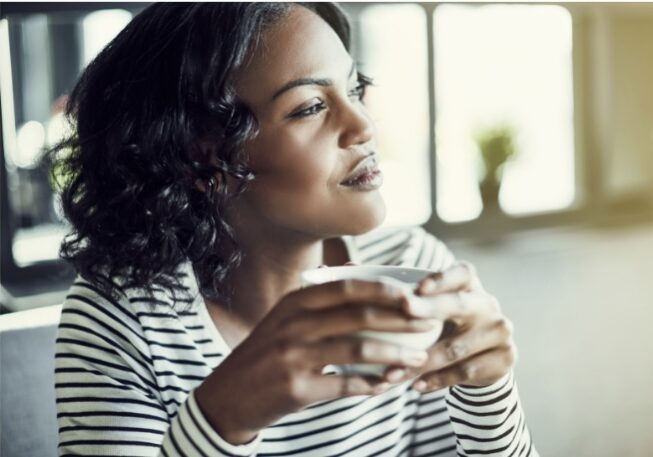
pixel 219 151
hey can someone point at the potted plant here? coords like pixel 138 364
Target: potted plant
pixel 496 146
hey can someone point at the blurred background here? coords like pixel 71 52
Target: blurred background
pixel 520 134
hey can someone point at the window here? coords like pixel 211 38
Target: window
pixel 498 65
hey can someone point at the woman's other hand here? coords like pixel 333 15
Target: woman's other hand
pixel 476 347
pixel 278 368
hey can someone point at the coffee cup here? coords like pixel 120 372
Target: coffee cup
pixel 403 277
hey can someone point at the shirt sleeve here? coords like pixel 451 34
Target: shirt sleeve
pixel 107 401
pixel 488 420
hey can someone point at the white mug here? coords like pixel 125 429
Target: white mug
pixel 403 277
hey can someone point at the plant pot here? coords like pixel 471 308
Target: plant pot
pixel 489 189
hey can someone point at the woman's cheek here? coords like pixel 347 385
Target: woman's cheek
pixel 296 163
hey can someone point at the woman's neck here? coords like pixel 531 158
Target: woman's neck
pixel 272 270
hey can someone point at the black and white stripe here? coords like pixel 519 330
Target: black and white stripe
pixel 125 375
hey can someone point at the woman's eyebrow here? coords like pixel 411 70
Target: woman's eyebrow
pixel 308 82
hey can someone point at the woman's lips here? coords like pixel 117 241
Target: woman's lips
pixel 366 164
pixel 370 178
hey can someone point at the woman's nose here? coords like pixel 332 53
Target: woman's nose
pixel 358 127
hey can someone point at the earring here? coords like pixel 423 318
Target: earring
pixel 212 184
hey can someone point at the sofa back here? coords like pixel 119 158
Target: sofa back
pixel 28 423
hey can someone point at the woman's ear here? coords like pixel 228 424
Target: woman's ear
pixel 208 152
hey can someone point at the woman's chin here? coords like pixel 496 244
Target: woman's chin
pixel 367 218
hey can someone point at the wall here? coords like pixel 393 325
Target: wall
pixel 614 96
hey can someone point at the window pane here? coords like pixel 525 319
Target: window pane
pixel 393 51
pixel 41 59
pixel 99 28
pixel 504 65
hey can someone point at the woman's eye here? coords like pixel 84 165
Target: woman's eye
pixel 310 111
pixel 361 87
pixel 358 91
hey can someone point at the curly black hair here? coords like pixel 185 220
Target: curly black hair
pixel 129 172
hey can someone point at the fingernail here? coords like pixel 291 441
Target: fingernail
pixel 395 375
pixel 420 386
pixel 421 325
pixel 429 286
pixel 399 293
pixel 418 308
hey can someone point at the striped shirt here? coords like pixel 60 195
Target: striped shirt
pixel 126 374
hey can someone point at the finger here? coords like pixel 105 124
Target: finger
pixel 350 263
pixel 460 276
pixel 351 318
pixel 394 374
pixel 348 350
pixel 337 293
pixel 306 389
pixel 481 370
pixel 450 305
pixel 455 349
pixel 339 386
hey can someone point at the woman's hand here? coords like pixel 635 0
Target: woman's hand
pixel 277 369
pixel 476 347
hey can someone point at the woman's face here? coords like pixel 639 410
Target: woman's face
pixel 314 131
